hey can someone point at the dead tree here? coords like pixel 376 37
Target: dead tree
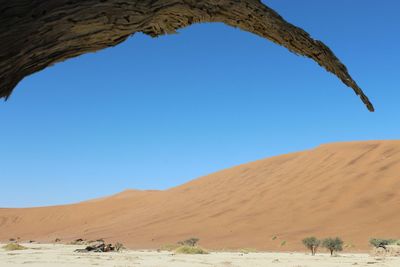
pixel 35 34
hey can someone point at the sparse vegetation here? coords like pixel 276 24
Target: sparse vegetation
pixel 283 243
pixel 312 243
pixel 274 238
pixel 14 246
pixel 190 250
pixel 333 244
pixel 191 242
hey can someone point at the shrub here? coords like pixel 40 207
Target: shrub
pixel 191 242
pixel 382 243
pixel 14 246
pixel 378 242
pixel 190 250
pixel 312 243
pixel 333 244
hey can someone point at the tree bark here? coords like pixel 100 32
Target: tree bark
pixel 35 34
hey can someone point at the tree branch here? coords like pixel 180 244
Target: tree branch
pixel 36 34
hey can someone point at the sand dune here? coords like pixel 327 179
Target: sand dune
pixel 350 190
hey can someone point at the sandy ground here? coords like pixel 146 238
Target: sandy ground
pixel 42 255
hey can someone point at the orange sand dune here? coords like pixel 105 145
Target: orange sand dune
pixel 350 190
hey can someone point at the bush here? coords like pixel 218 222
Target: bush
pixel 312 243
pixel 190 250
pixel 191 242
pixel 333 244
pixel 14 246
pixel 382 243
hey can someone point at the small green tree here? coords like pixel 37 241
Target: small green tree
pixel 312 243
pixel 333 244
pixel 191 242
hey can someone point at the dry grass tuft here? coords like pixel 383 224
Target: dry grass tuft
pixel 247 250
pixel 190 250
pixel 14 246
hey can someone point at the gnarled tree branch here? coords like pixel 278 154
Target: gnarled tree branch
pixel 35 34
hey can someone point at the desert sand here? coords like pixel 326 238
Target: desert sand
pixel 42 255
pixel 351 190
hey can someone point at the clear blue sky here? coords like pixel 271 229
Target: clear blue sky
pixel 155 113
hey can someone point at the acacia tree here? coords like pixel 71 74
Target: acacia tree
pixel 312 243
pixel 333 244
pixel 36 34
